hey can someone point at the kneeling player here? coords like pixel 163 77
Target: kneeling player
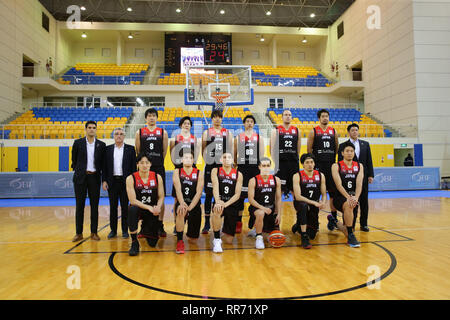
pixel 188 184
pixel 348 176
pixel 264 195
pixel 309 185
pixel 145 190
pixel 227 184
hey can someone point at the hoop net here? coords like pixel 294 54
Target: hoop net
pixel 220 97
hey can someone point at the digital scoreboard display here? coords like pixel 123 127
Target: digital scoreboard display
pixel 216 49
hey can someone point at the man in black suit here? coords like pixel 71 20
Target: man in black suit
pixel 87 163
pixel 120 162
pixel 364 156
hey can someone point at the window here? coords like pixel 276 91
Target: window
pixel 45 22
pixel 340 30
pixel 88 52
pixel 276 103
pixel 156 53
pixel 106 52
pixel 139 53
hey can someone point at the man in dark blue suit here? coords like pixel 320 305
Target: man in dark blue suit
pixel 87 163
pixel 362 155
pixel 120 162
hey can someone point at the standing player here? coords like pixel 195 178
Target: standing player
pixel 348 176
pixel 264 195
pixel 154 141
pixel 309 185
pixel 188 184
pixel 227 184
pixel 248 150
pixel 323 143
pixel 215 142
pixel 285 144
pixel 145 190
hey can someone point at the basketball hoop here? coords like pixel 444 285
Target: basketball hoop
pixel 219 97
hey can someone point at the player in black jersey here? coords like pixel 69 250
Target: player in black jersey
pixel 248 150
pixel 285 145
pixel 348 176
pixel 154 141
pixel 309 186
pixel 323 143
pixel 188 183
pixel 227 184
pixel 264 195
pixel 145 191
pixel 215 142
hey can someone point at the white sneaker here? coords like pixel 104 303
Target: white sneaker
pixel 259 244
pixel 251 233
pixel 217 246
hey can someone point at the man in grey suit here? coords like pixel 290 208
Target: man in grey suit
pixel 364 156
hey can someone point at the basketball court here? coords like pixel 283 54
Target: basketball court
pixel 404 256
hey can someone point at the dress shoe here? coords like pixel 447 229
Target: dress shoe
pixel 364 228
pixel 95 237
pixel 77 237
pixel 112 234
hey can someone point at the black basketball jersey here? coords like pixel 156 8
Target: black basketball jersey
pixel 310 186
pixel 287 143
pixel 152 144
pixel 265 191
pixel 146 192
pixel 188 184
pixel 248 149
pixel 182 145
pixel 324 146
pixel 218 140
pixel 349 175
pixel 227 183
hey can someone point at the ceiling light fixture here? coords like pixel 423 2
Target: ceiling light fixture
pixel 129 9
pixel 312 15
pixel 130 36
pixel 84 35
pixel 268 13
pixel 222 11
pixel 304 40
pixel 82 8
pixel 178 10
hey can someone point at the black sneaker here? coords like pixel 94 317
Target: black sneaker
pixel 305 242
pixel 311 233
pixel 352 242
pixel 295 228
pixel 332 223
pixel 134 250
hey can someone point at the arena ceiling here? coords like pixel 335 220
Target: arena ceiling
pixel 283 13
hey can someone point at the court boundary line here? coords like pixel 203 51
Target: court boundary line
pixel 392 267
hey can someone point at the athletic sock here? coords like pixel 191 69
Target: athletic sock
pixel 259 234
pixel 334 214
pixel 133 236
pixel 217 234
pixel 179 235
pixel 349 230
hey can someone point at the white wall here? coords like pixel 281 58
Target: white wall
pixel 21 34
pixel 432 60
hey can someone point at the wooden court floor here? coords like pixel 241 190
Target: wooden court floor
pixel 405 255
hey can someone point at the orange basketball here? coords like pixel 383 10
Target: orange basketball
pixel 277 238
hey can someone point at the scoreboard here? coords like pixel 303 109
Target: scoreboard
pixel 216 49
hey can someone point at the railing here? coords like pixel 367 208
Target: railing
pixel 71 131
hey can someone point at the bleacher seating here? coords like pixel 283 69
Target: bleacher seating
pixel 102 73
pixel 289 76
pixel 66 122
pixel 180 79
pixel 169 117
pixel 306 118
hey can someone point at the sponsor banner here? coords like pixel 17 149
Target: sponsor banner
pixel 45 185
pixel 405 178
